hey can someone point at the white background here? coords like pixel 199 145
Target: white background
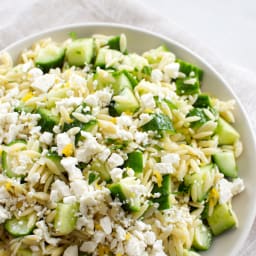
pixel 226 26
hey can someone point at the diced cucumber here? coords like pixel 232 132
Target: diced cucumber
pixel 154 55
pixel 48 119
pixel 102 169
pixel 115 44
pixel 8 162
pixel 202 101
pixel 125 102
pixel 55 161
pixel 23 108
pixel 200 182
pixel 92 177
pixel 24 252
pixel 199 112
pixel 226 133
pixel 187 68
pixel 65 218
pixel 124 191
pixel 202 238
pixel 135 161
pixel 80 52
pixel 159 103
pixel 190 253
pixel 164 190
pixel 159 123
pixel 183 87
pixel 49 57
pixel 115 144
pixel 222 219
pixel 226 163
pixel 22 226
pixel 122 81
pixel 102 56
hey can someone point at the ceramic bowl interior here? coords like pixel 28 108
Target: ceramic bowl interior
pixel 140 40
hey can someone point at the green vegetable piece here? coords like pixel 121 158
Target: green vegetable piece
pixel 114 43
pixel 80 52
pixel 22 108
pixel 102 54
pixel 200 113
pixel 102 169
pixel 135 161
pixel 49 57
pixel 190 253
pixel 183 87
pixel 226 163
pixel 222 219
pixel 92 177
pixel 227 134
pixel 125 102
pixel 7 159
pixel 48 119
pixel 202 238
pixel 200 182
pixel 202 101
pixel 22 226
pixel 164 190
pixel 159 122
pixel 124 191
pixel 65 218
pixel 187 68
pixel 147 70
pixel 122 81
pixel 53 163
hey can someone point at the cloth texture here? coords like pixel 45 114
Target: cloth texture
pixel 22 18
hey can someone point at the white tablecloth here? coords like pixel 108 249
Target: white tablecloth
pixel 22 18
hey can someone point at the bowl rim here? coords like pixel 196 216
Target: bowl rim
pixel 250 219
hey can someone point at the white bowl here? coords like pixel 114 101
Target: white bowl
pixel 140 40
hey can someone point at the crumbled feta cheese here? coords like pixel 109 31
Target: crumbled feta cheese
pixel 237 186
pixel 46 138
pixel 44 83
pixel 124 120
pixel 170 158
pixel 62 140
pixel 156 75
pixel 61 189
pixel 77 80
pixel 79 187
pixel 164 168
pixel 106 225
pixel 116 174
pixel 144 118
pixel 103 155
pixel 43 232
pixel 33 178
pixel 69 102
pixel 88 149
pixel 69 163
pixel 69 199
pixel 100 98
pixel 88 246
pixel 115 160
pixel 71 251
pixel 135 247
pixel 147 101
pixel 35 72
pixel 4 214
pixel 224 189
pixel 121 233
pixel 141 137
pixel 92 100
pixel 4 195
pixel 172 70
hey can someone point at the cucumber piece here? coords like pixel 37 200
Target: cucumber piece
pixel 122 81
pixel 114 43
pixel 102 54
pixel 202 238
pixel 187 68
pixel 185 88
pixel 22 226
pixel 226 163
pixel 159 123
pixel 202 101
pixel 102 169
pixel 190 253
pixel 22 108
pixel 65 218
pixel 92 177
pixel 55 161
pixel 124 191
pixel 49 57
pixel 200 182
pixel 227 134
pixel 48 120
pixel 164 200
pixel 80 52
pixel 125 102
pixel 8 160
pixel 24 252
pixel 135 161
pixel 200 113
pixel 154 55
pixel 222 219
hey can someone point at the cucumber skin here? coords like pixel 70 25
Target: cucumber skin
pixel 202 101
pixel 48 120
pixel 202 230
pixel 186 68
pixel 135 161
pixel 187 89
